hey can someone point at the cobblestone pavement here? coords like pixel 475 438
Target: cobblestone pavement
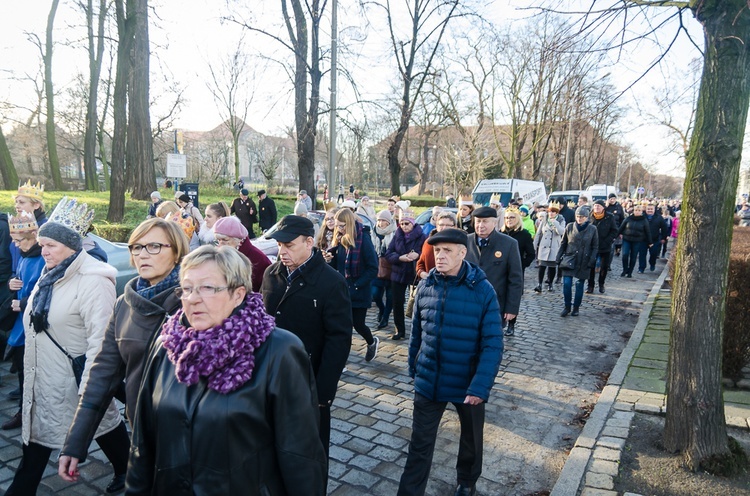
pixel 552 372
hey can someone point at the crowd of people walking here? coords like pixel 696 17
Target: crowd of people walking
pixel 228 362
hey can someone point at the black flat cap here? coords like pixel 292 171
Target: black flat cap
pixel 450 235
pixel 484 212
pixel 261 192
pixel 600 202
pixel 291 227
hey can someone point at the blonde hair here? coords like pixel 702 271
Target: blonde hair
pixel 33 202
pixel 349 238
pixel 166 208
pixel 233 265
pixel 174 233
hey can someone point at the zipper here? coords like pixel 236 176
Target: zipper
pixel 441 316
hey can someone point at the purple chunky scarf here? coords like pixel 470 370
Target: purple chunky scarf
pixel 224 354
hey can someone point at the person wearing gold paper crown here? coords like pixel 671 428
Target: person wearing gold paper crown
pixel 28 199
pixel 65 320
pixel 23 230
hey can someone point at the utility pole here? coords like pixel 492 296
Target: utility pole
pixel 332 152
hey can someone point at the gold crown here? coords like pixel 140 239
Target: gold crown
pixel 512 210
pixel 554 204
pixel 74 215
pixel 23 223
pixel 31 191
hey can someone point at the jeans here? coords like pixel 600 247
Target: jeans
pixel 115 444
pixel 604 260
pixel 380 287
pixel 653 253
pixel 399 300
pixel 568 289
pixel 425 423
pixel 630 251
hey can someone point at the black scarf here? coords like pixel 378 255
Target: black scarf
pixel 43 296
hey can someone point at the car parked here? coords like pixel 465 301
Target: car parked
pixel 118 256
pixel 424 217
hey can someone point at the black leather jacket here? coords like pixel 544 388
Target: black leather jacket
pixel 133 323
pixel 260 439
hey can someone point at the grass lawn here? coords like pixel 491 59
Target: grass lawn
pixel 135 210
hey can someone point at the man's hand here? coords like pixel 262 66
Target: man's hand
pixel 509 316
pixel 67 468
pixel 472 400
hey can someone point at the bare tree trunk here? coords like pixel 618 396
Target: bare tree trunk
pixel 96 51
pixel 140 147
pixel 7 169
pixel 54 161
pixel 120 111
pixel 695 423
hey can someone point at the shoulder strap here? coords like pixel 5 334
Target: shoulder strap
pixel 58 345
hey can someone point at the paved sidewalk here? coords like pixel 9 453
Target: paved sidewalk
pixel 637 384
pixel 553 372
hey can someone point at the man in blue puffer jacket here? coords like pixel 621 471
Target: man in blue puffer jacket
pixel 454 355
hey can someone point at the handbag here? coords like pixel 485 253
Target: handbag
pixel 384 268
pixel 412 296
pixel 569 261
pixel 78 363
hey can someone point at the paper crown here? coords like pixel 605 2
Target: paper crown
pixel 74 215
pixel 24 222
pixel 495 200
pixel 466 201
pixel 554 205
pixel 512 210
pixel 31 191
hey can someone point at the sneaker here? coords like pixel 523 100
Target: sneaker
pixel 372 350
pixel 640 272
pixel 550 288
pixel 14 422
pixel 574 313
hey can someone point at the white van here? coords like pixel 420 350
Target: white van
pixel 507 190
pixel 600 192
pixel 566 196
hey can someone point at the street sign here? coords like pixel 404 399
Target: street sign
pixel 176 165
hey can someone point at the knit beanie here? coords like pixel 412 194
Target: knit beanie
pixel 583 210
pixel 300 209
pixel 385 215
pixel 230 227
pixel 61 234
pixel 156 195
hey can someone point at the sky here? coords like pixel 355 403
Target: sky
pixel 186 35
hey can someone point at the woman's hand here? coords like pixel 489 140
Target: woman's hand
pixel 15 284
pixel 15 305
pixel 67 468
pixel 423 275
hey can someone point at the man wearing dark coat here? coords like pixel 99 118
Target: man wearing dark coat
pixel 497 254
pixel 454 355
pixel 266 211
pixel 606 227
pixel 311 299
pixel 659 232
pixel 244 208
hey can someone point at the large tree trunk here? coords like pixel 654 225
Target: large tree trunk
pixel 120 114
pixel 54 161
pixel 96 51
pixel 695 423
pixel 7 169
pixel 140 147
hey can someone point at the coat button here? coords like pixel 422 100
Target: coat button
pixel 278 313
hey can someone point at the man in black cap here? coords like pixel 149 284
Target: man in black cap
pixel 454 355
pixel 497 254
pixel 244 208
pixel 310 299
pixel 266 211
pixel 606 227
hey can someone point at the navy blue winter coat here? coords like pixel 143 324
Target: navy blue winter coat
pixel 456 344
pixel 403 272
pixel 360 289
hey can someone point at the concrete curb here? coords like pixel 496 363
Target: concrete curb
pixel 574 470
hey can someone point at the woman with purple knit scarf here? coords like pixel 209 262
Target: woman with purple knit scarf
pixel 228 402
pixel 354 256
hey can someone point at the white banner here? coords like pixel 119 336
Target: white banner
pixel 176 165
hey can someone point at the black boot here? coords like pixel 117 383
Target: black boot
pixel 601 288
pixel 549 287
pixel 538 288
pixel 590 289
pixel 575 312
pixel 511 329
pixel 565 312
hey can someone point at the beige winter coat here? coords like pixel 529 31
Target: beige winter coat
pixel 82 303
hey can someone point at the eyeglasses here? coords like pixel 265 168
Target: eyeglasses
pixel 404 223
pixel 328 219
pixel 151 248
pixel 184 293
pixel 341 226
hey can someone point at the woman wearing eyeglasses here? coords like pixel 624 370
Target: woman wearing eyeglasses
pixel 228 403
pixel 157 247
pixel 324 238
